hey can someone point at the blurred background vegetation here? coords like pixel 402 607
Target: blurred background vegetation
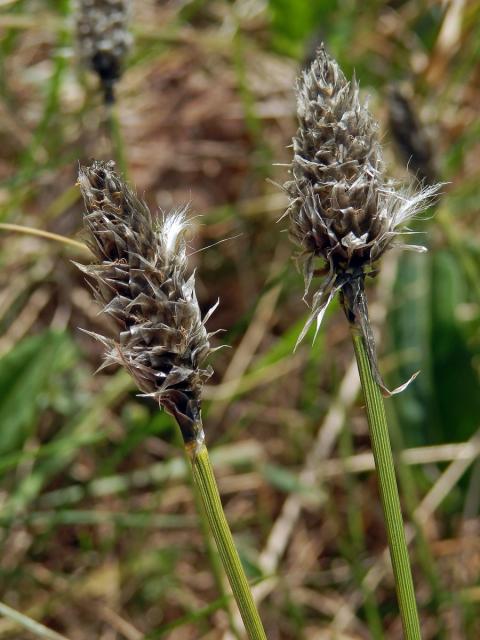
pixel 99 532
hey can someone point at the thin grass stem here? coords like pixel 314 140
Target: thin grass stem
pixel 212 553
pixel 116 140
pixel 35 628
pixel 424 554
pixel 355 543
pixel 207 487
pixel 44 234
pixel 382 453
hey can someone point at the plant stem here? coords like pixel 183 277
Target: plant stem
pixel 212 553
pixel 116 140
pixel 214 558
pixel 205 481
pixel 384 465
pixel 354 543
pixel 424 554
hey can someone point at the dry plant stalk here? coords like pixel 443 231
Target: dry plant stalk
pixel 140 280
pixel 103 38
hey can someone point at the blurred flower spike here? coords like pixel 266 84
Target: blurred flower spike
pixel 103 38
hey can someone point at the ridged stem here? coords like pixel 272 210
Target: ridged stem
pixel 382 453
pixel 215 562
pixel 207 487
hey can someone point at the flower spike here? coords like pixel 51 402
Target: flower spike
pixel 342 210
pixel 140 280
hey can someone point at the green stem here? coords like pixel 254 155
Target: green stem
pixel 213 557
pixel 116 140
pixel 212 553
pixel 424 554
pixel 382 453
pixel 355 544
pixel 207 487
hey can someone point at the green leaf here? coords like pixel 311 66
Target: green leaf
pixel 454 378
pixel 293 21
pixel 27 376
pixel 408 323
pixel 443 403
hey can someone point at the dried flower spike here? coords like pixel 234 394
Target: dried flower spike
pixel 103 38
pixel 140 280
pixel 341 209
pixel 410 135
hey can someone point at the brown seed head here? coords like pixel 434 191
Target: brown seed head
pixel 341 209
pixel 335 191
pixel 140 280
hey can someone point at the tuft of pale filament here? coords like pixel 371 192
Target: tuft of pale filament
pixel 103 38
pixel 140 280
pixel 342 210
